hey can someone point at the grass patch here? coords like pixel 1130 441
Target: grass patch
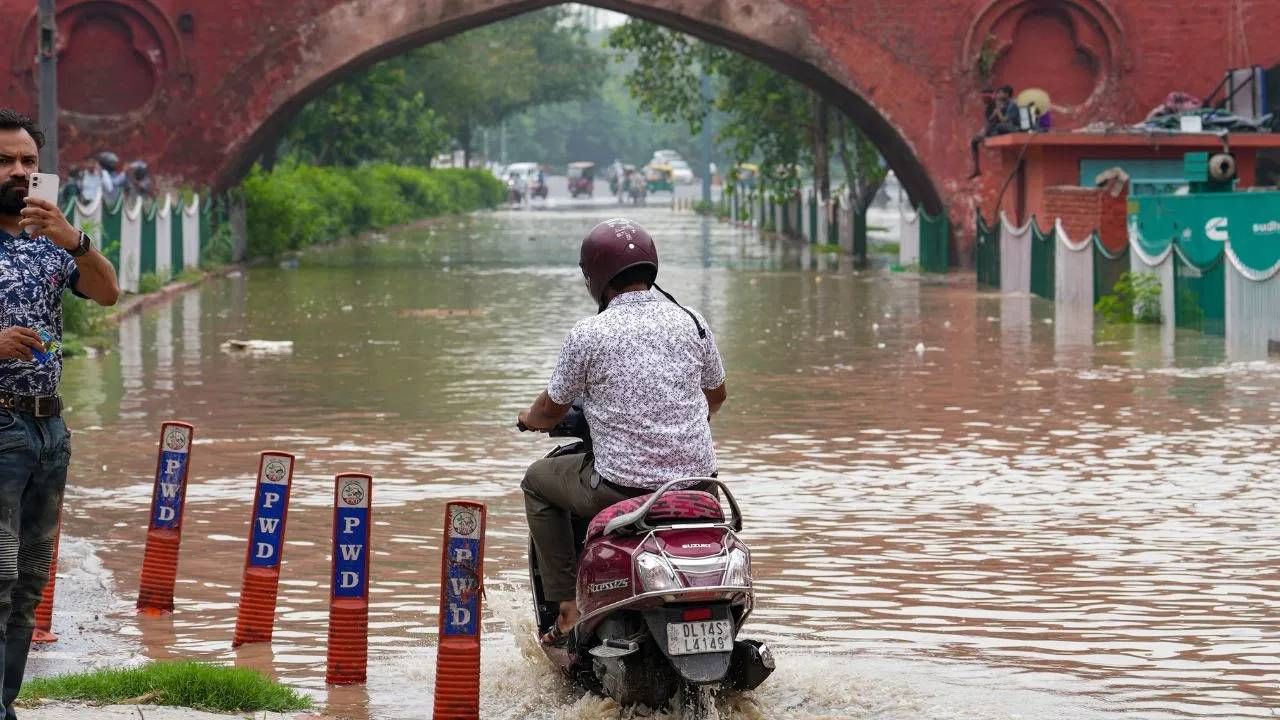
pixel 826 248
pixel 886 248
pixel 189 275
pixel 149 283
pixel 213 688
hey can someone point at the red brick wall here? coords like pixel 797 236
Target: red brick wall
pixel 906 71
pixel 1084 210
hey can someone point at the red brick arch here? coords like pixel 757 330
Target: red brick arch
pixel 773 32
pixel 207 84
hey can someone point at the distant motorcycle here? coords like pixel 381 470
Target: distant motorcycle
pixel 515 195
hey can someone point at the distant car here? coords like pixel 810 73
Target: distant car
pixel 523 169
pixel 681 172
pixel 664 157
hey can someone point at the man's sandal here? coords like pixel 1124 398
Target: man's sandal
pixel 555 637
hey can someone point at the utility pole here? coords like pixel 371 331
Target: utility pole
pixel 502 143
pixel 47 59
pixel 706 137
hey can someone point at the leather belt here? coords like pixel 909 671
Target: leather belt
pixel 41 406
pixel 627 490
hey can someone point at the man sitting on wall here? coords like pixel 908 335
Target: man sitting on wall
pixel 1002 118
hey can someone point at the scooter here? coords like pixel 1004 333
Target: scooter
pixel 514 194
pixel 664 588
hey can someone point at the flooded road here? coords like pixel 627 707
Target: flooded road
pixel 956 509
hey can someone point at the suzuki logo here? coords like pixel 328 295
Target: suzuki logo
pixel 1216 229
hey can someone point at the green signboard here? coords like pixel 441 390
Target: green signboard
pixel 1204 224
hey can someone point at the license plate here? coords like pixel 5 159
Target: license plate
pixel 693 638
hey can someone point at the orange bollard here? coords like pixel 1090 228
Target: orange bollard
pixel 348 658
pixel 462 586
pixel 257 615
pixel 168 498
pixel 44 611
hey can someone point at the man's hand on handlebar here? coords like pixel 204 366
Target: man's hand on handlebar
pixel 543 415
pixel 522 423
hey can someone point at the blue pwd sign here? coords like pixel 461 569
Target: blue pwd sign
pixel 351 536
pixel 462 571
pixel 270 506
pixel 171 476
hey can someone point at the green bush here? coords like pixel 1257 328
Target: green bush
pixel 149 283
pixel 1135 298
pixel 82 317
pixel 295 206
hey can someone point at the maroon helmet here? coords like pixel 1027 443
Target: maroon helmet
pixel 612 247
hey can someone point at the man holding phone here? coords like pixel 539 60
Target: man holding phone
pixel 41 255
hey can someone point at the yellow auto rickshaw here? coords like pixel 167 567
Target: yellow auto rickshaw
pixel 659 178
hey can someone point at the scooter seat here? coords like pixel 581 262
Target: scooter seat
pixel 676 505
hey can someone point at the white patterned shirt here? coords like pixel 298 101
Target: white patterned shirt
pixel 638 369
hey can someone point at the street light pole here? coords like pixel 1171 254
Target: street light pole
pixel 47 58
pixel 706 137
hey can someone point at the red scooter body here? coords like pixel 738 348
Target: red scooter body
pixel 664 588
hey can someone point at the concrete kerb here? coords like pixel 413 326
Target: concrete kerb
pixel 137 303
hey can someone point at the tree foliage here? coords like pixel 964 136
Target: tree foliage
pixel 482 77
pixel 768 117
pixel 411 107
pixel 600 129
pixel 372 117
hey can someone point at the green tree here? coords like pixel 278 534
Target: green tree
pixel 479 78
pixel 409 108
pixel 767 116
pixel 374 116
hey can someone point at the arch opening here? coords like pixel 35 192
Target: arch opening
pixel 792 51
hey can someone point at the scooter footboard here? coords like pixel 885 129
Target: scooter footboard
pixel 697 641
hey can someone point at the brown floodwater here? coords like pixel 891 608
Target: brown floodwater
pixel 960 505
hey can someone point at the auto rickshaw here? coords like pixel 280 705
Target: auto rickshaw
pixel 659 178
pixel 582 179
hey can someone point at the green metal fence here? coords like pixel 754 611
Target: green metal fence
pixel 1107 268
pixel 988 253
pixel 935 236
pixel 1042 261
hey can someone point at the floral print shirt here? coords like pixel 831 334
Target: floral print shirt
pixel 33 274
pixel 638 369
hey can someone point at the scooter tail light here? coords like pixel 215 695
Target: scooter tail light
pixel 696 614
pixel 655 573
pixel 737 572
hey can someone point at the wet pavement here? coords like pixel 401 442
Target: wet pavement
pixel 960 505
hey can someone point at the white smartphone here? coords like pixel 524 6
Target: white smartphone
pixel 43 186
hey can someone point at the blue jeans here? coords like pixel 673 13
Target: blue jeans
pixel 34 453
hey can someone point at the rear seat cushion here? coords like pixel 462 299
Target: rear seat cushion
pixel 686 505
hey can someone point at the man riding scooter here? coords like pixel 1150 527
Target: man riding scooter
pixel 648 376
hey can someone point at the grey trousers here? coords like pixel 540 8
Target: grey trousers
pixel 556 490
pixel 34 453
